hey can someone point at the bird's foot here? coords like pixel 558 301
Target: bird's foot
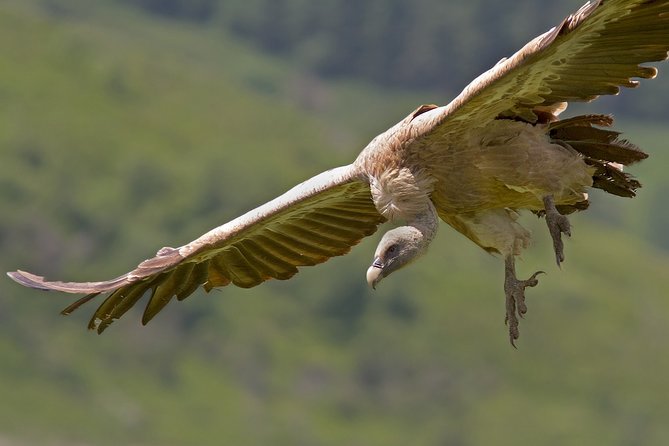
pixel 515 298
pixel 558 224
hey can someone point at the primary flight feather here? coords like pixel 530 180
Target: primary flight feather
pixel 499 147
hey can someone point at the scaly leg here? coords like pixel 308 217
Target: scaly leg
pixel 515 296
pixel 558 224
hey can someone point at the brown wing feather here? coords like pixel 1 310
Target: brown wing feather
pixel 592 52
pixel 318 219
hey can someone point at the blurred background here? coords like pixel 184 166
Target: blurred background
pixel 128 125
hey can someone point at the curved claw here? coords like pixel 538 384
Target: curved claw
pixel 558 224
pixel 532 280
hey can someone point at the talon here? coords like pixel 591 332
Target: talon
pixel 513 336
pixel 533 281
pixel 512 322
pixel 558 224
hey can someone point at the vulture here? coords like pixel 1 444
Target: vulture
pixel 498 148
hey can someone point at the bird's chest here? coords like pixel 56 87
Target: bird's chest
pixel 400 193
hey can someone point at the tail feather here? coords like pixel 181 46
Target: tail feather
pixel 612 179
pixel 602 149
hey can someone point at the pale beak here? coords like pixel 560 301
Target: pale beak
pixel 375 273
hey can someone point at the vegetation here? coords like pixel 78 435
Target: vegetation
pixel 419 44
pixel 121 131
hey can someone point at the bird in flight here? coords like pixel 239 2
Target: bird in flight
pixel 498 148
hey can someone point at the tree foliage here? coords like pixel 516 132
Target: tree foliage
pixel 439 45
pixel 421 43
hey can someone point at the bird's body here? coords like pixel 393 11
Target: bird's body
pixel 516 164
pixel 498 148
pixel 507 163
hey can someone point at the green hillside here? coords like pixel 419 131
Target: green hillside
pixel 121 133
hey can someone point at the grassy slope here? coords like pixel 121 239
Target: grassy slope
pixel 97 105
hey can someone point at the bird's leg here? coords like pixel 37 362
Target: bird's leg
pixel 558 224
pixel 515 296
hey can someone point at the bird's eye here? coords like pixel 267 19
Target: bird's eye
pixel 392 249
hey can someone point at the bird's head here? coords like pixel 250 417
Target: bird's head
pixel 397 248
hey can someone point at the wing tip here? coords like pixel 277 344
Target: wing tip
pixel 28 279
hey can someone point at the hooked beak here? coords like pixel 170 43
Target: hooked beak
pixel 375 273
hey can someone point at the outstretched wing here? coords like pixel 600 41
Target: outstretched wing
pixel 592 52
pixel 317 219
